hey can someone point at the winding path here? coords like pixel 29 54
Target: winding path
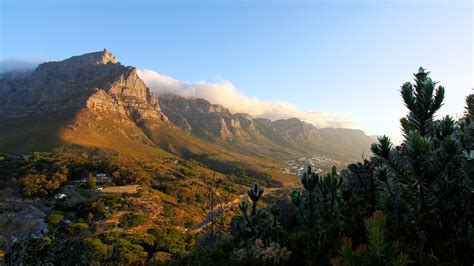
pixel 224 206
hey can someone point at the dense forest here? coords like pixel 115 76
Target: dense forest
pixel 407 204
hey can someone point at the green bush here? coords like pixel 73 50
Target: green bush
pixel 130 220
pixel 378 251
pixel 76 228
pixel 54 218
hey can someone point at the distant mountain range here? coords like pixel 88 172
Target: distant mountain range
pixel 284 138
pixel 93 102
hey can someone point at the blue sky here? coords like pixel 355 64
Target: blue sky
pixel 340 57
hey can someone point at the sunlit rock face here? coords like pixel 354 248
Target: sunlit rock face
pixel 207 120
pixel 95 80
pixel 93 100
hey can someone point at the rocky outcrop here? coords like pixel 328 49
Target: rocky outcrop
pixel 292 131
pixel 210 120
pixel 206 120
pixel 96 81
pixel 214 122
pixel 94 100
pixel 97 58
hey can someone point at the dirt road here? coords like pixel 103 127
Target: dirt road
pixel 223 206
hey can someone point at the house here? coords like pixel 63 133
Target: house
pixel 103 178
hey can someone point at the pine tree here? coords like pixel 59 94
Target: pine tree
pixel 467 137
pixel 305 201
pixel 250 221
pixel 254 194
pixel 423 99
pixel 309 179
pixel 424 177
pixel 275 211
pixel 329 188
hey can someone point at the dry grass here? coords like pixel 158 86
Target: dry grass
pixel 166 198
pixel 129 189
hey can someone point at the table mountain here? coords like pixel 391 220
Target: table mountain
pixel 94 102
pixel 95 80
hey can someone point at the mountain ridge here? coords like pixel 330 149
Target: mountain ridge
pixel 216 123
pixel 94 101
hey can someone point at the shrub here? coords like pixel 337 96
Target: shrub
pixel 130 220
pixel 95 250
pixel 54 218
pixel 76 228
pixel 378 251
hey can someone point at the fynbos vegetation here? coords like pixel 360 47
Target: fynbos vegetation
pixel 410 203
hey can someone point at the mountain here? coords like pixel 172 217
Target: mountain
pixel 94 80
pixel 206 120
pixel 82 100
pixel 283 139
pixel 93 102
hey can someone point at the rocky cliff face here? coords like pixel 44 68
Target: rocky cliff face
pixel 96 81
pixel 291 132
pixel 244 133
pixel 206 120
pixel 93 100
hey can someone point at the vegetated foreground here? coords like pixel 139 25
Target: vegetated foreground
pixel 409 204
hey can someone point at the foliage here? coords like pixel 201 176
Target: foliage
pixel 261 254
pixel 425 184
pixel 377 252
pixel 111 248
pixel 41 185
pixel 76 228
pixel 467 137
pixel 161 258
pixel 254 194
pixel 418 197
pixel 133 220
pixel 268 237
pixel 95 250
pixel 91 183
pixel 173 241
pixel 54 218
pixel 360 181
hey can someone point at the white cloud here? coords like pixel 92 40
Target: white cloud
pixel 224 93
pixel 17 65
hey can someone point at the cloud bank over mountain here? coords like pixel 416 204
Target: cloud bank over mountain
pixel 17 65
pixel 224 93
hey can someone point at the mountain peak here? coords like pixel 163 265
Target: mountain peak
pixel 98 58
pixel 96 81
